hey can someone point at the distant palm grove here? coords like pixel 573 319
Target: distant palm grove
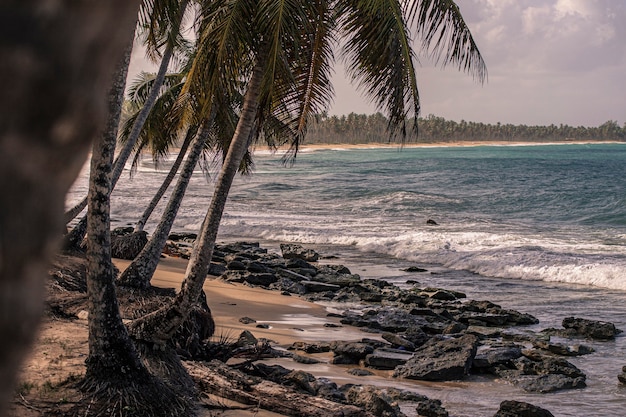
pixel 361 128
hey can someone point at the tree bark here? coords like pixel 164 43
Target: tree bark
pixel 122 157
pixel 219 379
pixel 112 355
pixel 73 240
pixel 166 183
pixel 139 273
pixel 58 58
pixel 160 326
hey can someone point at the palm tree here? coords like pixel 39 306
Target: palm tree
pixel 163 19
pixel 115 375
pixel 287 47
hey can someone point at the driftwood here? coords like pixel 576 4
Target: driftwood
pixel 217 378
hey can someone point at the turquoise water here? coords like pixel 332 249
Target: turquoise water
pixel 552 212
pixel 540 229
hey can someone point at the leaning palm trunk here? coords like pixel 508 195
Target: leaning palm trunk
pixel 139 273
pixel 106 329
pixel 166 183
pixel 74 238
pixel 116 380
pixel 122 157
pixel 160 326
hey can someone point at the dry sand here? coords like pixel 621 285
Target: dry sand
pixel 61 347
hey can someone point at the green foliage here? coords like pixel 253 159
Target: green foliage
pixel 361 129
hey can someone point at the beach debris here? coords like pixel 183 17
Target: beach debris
pixel 511 408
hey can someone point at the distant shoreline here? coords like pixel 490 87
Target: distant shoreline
pixel 457 144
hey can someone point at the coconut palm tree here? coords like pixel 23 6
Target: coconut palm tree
pixel 163 20
pixel 287 48
pixel 115 377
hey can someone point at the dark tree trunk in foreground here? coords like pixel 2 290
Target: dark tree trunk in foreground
pixel 139 273
pixel 57 58
pixel 166 183
pixel 160 326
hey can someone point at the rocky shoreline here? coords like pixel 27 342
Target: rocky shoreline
pixel 428 334
pixel 413 333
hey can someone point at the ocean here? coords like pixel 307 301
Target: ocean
pixel 537 228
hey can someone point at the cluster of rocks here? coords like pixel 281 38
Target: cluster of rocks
pixel 430 334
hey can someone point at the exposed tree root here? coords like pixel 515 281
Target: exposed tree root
pixel 149 397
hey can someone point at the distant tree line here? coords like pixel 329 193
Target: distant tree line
pixel 361 128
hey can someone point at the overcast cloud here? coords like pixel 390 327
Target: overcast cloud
pixel 549 61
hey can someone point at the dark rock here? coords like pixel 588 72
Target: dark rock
pixel 431 408
pixel 441 360
pixel 549 383
pixel 291 251
pixel 326 388
pixel 246 339
pixel 302 380
pixel 216 269
pixel 318 347
pixel 177 236
pixel 315 286
pixel 356 350
pixel 236 265
pixel 399 341
pixel 360 372
pixel 431 222
pixel 247 320
pixel 373 399
pixel 593 329
pixel 263 326
pixel 535 372
pixel 622 376
pixel 387 358
pixel 496 356
pixel 128 246
pixel 562 349
pixel 521 409
pixel 307 360
pixel 414 269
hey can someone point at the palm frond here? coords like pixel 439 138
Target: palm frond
pixel 446 36
pixel 381 59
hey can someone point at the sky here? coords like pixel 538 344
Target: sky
pixel 548 61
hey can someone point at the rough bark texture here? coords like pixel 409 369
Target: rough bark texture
pixel 161 325
pixel 217 378
pixel 73 240
pixel 112 356
pixel 58 57
pixel 126 151
pixel 166 183
pixel 139 273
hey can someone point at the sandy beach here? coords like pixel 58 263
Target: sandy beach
pixel 61 347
